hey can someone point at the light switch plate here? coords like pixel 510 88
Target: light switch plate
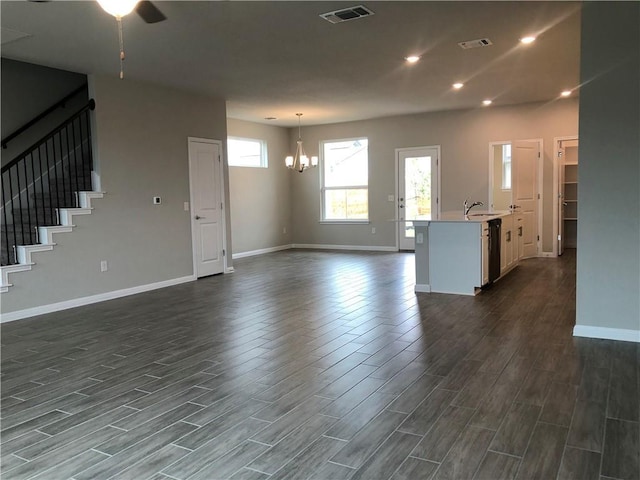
pixel 390 198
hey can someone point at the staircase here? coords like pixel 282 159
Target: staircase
pixel 42 190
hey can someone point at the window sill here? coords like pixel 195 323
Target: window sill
pixel 345 222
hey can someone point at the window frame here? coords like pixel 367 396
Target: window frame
pixel 504 186
pixel 324 189
pixel 264 157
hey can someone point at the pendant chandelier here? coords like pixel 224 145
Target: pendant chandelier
pixel 300 162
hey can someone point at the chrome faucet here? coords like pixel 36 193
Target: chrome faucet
pixel 468 207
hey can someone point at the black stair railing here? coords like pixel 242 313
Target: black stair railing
pixel 59 104
pixel 47 176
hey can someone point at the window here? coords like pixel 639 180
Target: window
pixel 506 167
pixel 345 177
pixel 246 152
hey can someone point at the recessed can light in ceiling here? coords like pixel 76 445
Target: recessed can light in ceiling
pixel 412 58
pixel 566 93
pixel 527 40
pixel 487 102
pixel 458 85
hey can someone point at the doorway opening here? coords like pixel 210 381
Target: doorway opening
pixel 566 207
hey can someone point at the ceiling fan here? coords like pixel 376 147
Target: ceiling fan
pixel 144 8
pixel 120 8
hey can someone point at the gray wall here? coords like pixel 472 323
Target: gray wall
pixel 142 151
pixel 260 197
pixel 464 137
pixel 608 271
pixel 28 90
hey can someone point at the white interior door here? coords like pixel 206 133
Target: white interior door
pixel 417 190
pixel 207 215
pixel 524 181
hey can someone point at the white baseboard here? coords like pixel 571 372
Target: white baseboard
pixel 363 248
pixel 261 251
pixel 423 288
pixel 101 297
pixel 607 333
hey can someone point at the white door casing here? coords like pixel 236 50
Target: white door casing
pixel 561 145
pixel 524 182
pixel 207 212
pixel 411 163
pixel 560 206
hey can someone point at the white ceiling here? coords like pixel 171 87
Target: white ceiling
pixel 276 58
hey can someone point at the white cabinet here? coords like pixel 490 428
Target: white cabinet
pixel 511 242
pixel 519 232
pixel 506 243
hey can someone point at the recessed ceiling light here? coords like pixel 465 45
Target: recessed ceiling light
pixel 527 40
pixel 566 93
pixel 458 85
pixel 486 102
pixel 412 58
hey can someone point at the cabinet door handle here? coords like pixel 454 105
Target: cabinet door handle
pixel 509 236
pixel 519 231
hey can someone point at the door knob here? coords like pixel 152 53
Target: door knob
pixel 198 217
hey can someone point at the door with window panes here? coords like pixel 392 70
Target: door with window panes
pixel 417 190
pixel 345 178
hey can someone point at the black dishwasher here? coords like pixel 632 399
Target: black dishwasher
pixel 494 248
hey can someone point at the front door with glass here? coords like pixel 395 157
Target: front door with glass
pixel 417 190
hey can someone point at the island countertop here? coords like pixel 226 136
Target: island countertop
pixel 458 216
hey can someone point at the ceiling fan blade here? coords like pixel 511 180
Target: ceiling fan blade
pixel 149 12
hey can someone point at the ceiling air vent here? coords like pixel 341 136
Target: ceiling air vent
pixel 482 42
pixel 345 14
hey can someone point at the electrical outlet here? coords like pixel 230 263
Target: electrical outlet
pixel 420 238
pixel 284 230
pixel 390 198
pixel 104 266
pixel 186 206
pixel 157 200
pixel 373 230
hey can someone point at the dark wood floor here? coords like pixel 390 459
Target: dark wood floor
pixel 319 365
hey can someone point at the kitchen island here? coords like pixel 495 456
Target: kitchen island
pixel 460 254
